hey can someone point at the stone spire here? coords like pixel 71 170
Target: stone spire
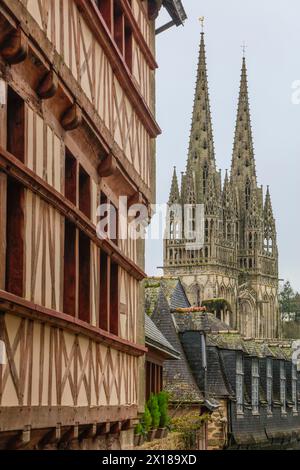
pixel 174 192
pixel 269 221
pixel 243 162
pixel 201 147
pixel 228 199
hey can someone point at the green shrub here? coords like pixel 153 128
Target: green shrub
pixel 139 429
pixel 154 410
pixel 163 401
pixel 146 419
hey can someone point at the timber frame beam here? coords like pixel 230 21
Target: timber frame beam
pixel 22 307
pixel 44 417
pixel 28 24
pixel 20 172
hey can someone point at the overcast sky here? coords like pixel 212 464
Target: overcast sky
pixel 271 31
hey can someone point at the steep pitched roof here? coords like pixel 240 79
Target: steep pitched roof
pixel 199 321
pixel 156 339
pixel 178 378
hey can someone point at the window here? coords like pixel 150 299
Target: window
pixel 114 299
pixel 118 26
pixel 15 238
pixel 239 384
pixel 106 9
pixel 205 176
pixel 191 222
pixel 109 295
pixel 69 304
pixel 255 386
pixel 84 278
pixel 269 385
pixel 171 230
pixel 282 387
pixel 84 192
pixel 294 388
pixel 15 125
pixel 76 300
pixel 15 197
pixel 248 193
pixel 154 378
pixel 104 290
pixel 70 177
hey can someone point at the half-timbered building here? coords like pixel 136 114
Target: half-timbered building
pixel 77 129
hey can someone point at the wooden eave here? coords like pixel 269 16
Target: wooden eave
pixel 102 34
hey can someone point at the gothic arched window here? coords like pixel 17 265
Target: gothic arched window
pixel 172 230
pixel 250 241
pixel 206 230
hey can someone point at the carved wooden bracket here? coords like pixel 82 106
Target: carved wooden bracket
pixel 153 9
pixel 108 166
pixel 14 48
pixel 136 198
pixel 72 118
pixel 48 85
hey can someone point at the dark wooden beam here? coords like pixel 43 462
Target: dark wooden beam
pixel 48 85
pixel 25 308
pixel 13 167
pixel 24 418
pixel 14 48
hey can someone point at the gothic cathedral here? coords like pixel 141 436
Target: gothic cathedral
pixel 238 262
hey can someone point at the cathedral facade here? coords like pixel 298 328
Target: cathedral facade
pixel 237 263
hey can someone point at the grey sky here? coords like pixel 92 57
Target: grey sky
pixel 271 31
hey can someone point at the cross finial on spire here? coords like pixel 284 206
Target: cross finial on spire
pixel 201 19
pixel 244 47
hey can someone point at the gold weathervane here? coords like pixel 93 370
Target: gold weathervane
pixel 201 19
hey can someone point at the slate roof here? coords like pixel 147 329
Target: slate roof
pixel 169 308
pixel 199 321
pixel 172 289
pixel 160 294
pixel 156 339
pixel 252 347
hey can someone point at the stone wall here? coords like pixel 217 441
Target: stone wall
pixel 217 428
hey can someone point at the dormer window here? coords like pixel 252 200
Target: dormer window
pixel 255 386
pixel 269 385
pixel 239 384
pixel 283 387
pixel 294 388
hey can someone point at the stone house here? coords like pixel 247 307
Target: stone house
pixel 250 386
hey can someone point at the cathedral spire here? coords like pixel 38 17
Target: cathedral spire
pixel 243 162
pixel 269 220
pixel 174 192
pixel 201 147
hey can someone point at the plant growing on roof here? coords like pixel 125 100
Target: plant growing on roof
pixel 213 305
pixel 154 411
